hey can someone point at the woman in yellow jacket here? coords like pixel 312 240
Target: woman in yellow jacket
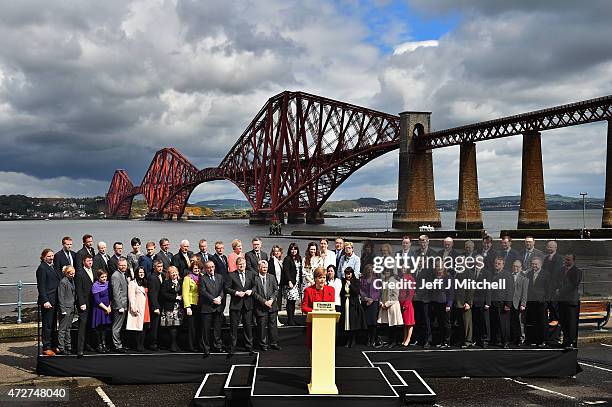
pixel 191 291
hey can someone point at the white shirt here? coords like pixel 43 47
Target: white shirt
pixel 329 258
pixel 337 284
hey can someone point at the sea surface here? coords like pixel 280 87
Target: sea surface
pixel 21 242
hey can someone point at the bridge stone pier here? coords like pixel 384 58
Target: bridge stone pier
pixel 315 218
pixel 296 218
pixel 468 204
pixel 416 203
pixel 606 221
pixel 532 213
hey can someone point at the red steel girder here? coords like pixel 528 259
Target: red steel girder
pixel 120 195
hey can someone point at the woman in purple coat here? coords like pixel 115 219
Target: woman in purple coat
pixel 370 297
pixel 101 315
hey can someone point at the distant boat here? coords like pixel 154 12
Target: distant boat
pixel 426 228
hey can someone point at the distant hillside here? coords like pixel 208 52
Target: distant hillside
pixel 224 204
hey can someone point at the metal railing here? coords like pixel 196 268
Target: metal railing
pixel 20 303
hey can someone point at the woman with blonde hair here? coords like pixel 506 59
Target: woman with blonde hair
pixel 236 252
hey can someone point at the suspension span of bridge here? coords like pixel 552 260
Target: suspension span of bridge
pixel 300 147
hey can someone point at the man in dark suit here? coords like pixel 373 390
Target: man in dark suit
pixel 501 304
pixel 424 257
pixel 255 256
pixel 221 267
pixel 507 252
pixel 113 262
pixel 239 286
pixel 529 252
pixel 182 259
pixel 569 301
pixel 65 256
pixel 449 254
pixel 47 282
pixel 520 291
pixel 146 261
pixel 339 250
pixel 211 295
pixel 265 292
pixel 83 281
pixel 461 315
pixel 100 260
pixel 203 254
pixel 553 264
pixel 537 297
pixel 154 281
pixel 86 249
pixel 481 304
pixel 488 253
pixel 164 253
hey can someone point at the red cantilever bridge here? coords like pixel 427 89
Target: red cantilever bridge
pixel 300 147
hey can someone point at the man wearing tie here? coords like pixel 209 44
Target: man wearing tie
pixel 265 293
pixel 86 249
pixel 83 282
pixel 164 254
pixel 203 254
pixel 119 287
pixel 211 295
pixel 537 298
pixel 255 256
pixel 47 282
pixel 113 262
pixel 65 256
pixel 181 260
pixel 100 261
pixel 529 252
pixel 569 301
pixel 239 286
pixel 520 291
pixel 508 253
pixel 339 245
pixel 154 282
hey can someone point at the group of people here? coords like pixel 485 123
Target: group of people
pixel 139 292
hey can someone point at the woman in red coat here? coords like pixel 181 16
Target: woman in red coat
pixel 405 299
pixel 318 292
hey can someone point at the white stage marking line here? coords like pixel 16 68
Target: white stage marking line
pixel 596 367
pixel 605 344
pixel 541 388
pixel 104 397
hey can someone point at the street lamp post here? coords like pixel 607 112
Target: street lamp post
pixel 583 194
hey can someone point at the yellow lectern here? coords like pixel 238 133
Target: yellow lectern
pixel 323 355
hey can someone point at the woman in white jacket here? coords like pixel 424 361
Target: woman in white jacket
pixel 138 314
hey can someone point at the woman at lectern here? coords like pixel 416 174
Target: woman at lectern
pixel 318 292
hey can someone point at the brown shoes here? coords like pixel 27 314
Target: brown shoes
pixel 48 352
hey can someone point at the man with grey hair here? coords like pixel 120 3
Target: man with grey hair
pixel 254 256
pixel 119 289
pixel 538 294
pixel 100 260
pixel 553 264
pixel 529 252
pixel 449 254
pixel 265 292
pixel 182 259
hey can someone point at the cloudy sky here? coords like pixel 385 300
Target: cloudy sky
pixel 89 87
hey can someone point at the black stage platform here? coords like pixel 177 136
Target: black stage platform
pixel 244 374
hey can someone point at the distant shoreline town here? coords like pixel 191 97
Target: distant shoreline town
pixel 21 207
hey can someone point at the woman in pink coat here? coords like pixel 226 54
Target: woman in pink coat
pixel 405 299
pixel 138 314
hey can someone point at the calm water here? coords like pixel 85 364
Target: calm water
pixel 22 241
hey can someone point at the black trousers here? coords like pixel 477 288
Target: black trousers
pixel 568 317
pixel 211 321
pixel 500 324
pixel 536 322
pixel 515 325
pixel 85 333
pixel 438 313
pixel 481 324
pixel 422 321
pixel 194 328
pixel 246 316
pixel 153 329
pixel 267 331
pixel 49 327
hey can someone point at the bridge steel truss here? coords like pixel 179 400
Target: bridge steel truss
pixel 300 147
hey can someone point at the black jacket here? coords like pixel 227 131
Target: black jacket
pixel 47 281
pixel 83 285
pixel 570 284
pixel 209 290
pixel 220 263
pixel 233 284
pixel 539 290
pixel 178 261
pixel 290 272
pixel 482 296
pixel 60 260
pixel 251 260
pixel 154 286
pixel 168 293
